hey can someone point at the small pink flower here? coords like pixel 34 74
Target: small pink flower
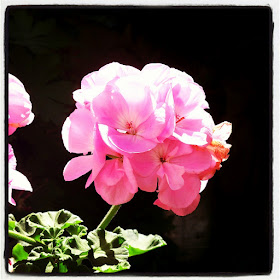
pixel 17 181
pixel 19 105
pixel 169 160
pixel 128 116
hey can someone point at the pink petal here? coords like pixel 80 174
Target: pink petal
pixel 111 108
pixel 11 157
pixel 173 175
pixel 203 185
pixel 18 181
pixel 133 187
pixel 128 142
pixel 78 131
pixel 156 73
pixel 187 97
pixel 10 199
pixel 153 126
pixel 182 197
pixel 147 184
pixel 161 205
pixel 138 98
pixel 222 131
pixel 144 164
pixel 114 194
pixel 195 128
pixel 188 210
pixel 19 105
pixel 77 167
pixel 195 162
pixel 111 173
pixel 107 73
pixel 180 211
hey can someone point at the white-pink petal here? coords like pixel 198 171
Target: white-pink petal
pixel 77 167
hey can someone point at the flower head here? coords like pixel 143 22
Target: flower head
pixel 20 113
pixel 146 129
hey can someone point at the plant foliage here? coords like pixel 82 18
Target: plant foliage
pixel 61 244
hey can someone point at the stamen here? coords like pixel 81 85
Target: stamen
pixel 179 118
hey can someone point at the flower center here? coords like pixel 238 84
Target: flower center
pixel 163 159
pixel 130 128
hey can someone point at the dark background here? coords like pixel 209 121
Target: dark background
pixel 225 50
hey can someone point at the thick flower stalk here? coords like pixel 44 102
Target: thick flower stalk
pixel 145 129
pixel 19 115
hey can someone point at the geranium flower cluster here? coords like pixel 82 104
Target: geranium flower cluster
pixel 19 115
pixel 145 130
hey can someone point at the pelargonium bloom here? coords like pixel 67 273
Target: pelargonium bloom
pixel 20 113
pixel 16 180
pixel 147 129
pixel 175 167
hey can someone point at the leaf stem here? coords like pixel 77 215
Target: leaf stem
pixel 32 241
pixel 109 216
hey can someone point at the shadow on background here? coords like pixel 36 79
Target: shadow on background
pixel 226 50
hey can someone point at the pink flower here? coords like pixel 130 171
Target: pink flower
pixel 19 105
pixel 17 181
pixel 170 161
pixel 128 116
pixel 146 129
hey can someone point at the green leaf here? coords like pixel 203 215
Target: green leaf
pixel 112 268
pixel 75 245
pixel 19 253
pixel 12 222
pixel 47 226
pixel 62 268
pixel 27 268
pixel 49 267
pixel 109 252
pixel 38 253
pixel 79 230
pixel 139 243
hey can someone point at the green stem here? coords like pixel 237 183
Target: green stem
pixel 32 241
pixel 109 216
